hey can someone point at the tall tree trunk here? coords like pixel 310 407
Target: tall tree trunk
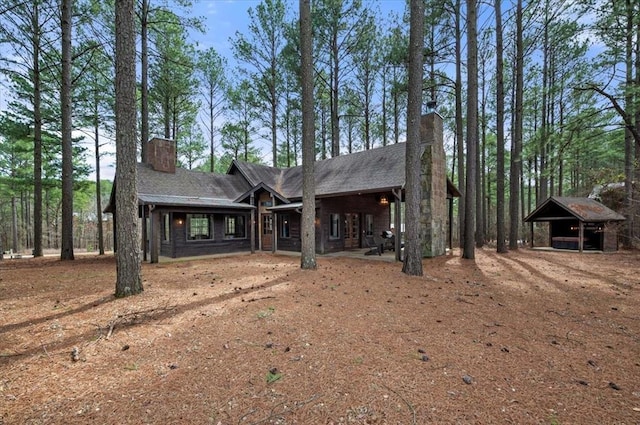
pixel 335 86
pixel 396 116
pixel 212 148
pixel 472 131
pixel 629 142
pixel 129 279
pixel 413 189
pixel 144 79
pixel 516 151
pixel 274 115
pixel 636 216
pixel 481 207
pixel 37 136
pixel 66 252
pixel 501 246
pixel 308 254
pixel 544 122
pixel 459 120
pixel 384 108
pixel 14 225
pixel 96 137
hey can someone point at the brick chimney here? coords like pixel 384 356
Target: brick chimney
pixel 161 155
pixel 433 206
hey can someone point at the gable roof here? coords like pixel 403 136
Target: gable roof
pixel 374 170
pixel 186 188
pixel 567 208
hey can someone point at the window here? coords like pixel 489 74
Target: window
pixel 284 226
pixel 199 227
pixel 334 232
pixel 368 224
pixel 166 227
pixel 234 227
pixel 267 224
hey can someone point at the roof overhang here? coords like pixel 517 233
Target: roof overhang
pixel 556 208
pixel 286 207
pixel 262 186
pixel 190 201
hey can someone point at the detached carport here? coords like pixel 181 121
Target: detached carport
pixel 577 223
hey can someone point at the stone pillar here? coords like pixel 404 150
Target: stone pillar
pixel 433 207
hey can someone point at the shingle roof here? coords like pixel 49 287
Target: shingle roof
pixel 367 171
pixel 584 209
pixel 374 170
pixel 191 201
pixel 188 183
pixel 258 173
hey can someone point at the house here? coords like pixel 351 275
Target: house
pixel 257 207
pixel 577 224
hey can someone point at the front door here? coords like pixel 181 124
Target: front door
pixel 351 230
pixel 267 232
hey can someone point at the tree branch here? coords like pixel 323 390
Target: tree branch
pixel 628 122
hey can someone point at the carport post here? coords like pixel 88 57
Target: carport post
pixel 580 235
pixel 531 224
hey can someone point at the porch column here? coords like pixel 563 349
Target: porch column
pixel 115 236
pixel 531 223
pixel 144 232
pixel 274 234
pixel 274 227
pixel 580 235
pixel 154 247
pixel 252 231
pixel 398 222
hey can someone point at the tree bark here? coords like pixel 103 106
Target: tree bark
pixel 96 136
pixel 37 136
pixel 472 131
pixel 516 151
pixel 501 245
pixel 144 79
pixel 308 254
pixel 66 252
pixel 128 263
pixel 413 190
pixel 459 121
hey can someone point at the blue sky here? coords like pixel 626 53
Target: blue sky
pixel 224 17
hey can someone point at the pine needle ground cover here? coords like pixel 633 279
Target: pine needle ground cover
pixel 527 337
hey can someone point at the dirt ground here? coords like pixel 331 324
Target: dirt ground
pixel 531 337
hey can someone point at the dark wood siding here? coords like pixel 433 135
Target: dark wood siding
pixel 359 204
pixel 179 246
pixel 294 241
pixel 609 238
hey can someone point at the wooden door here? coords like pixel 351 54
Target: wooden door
pixel 267 231
pixel 351 230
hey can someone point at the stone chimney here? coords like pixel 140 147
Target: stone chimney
pixel 433 206
pixel 161 155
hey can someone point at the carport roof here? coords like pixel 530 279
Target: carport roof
pixel 567 208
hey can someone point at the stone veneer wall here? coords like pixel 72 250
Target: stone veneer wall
pixel 433 207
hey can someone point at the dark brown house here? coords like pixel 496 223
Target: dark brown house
pixel 257 207
pixel 577 224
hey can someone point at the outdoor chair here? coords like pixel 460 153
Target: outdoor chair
pixel 374 248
